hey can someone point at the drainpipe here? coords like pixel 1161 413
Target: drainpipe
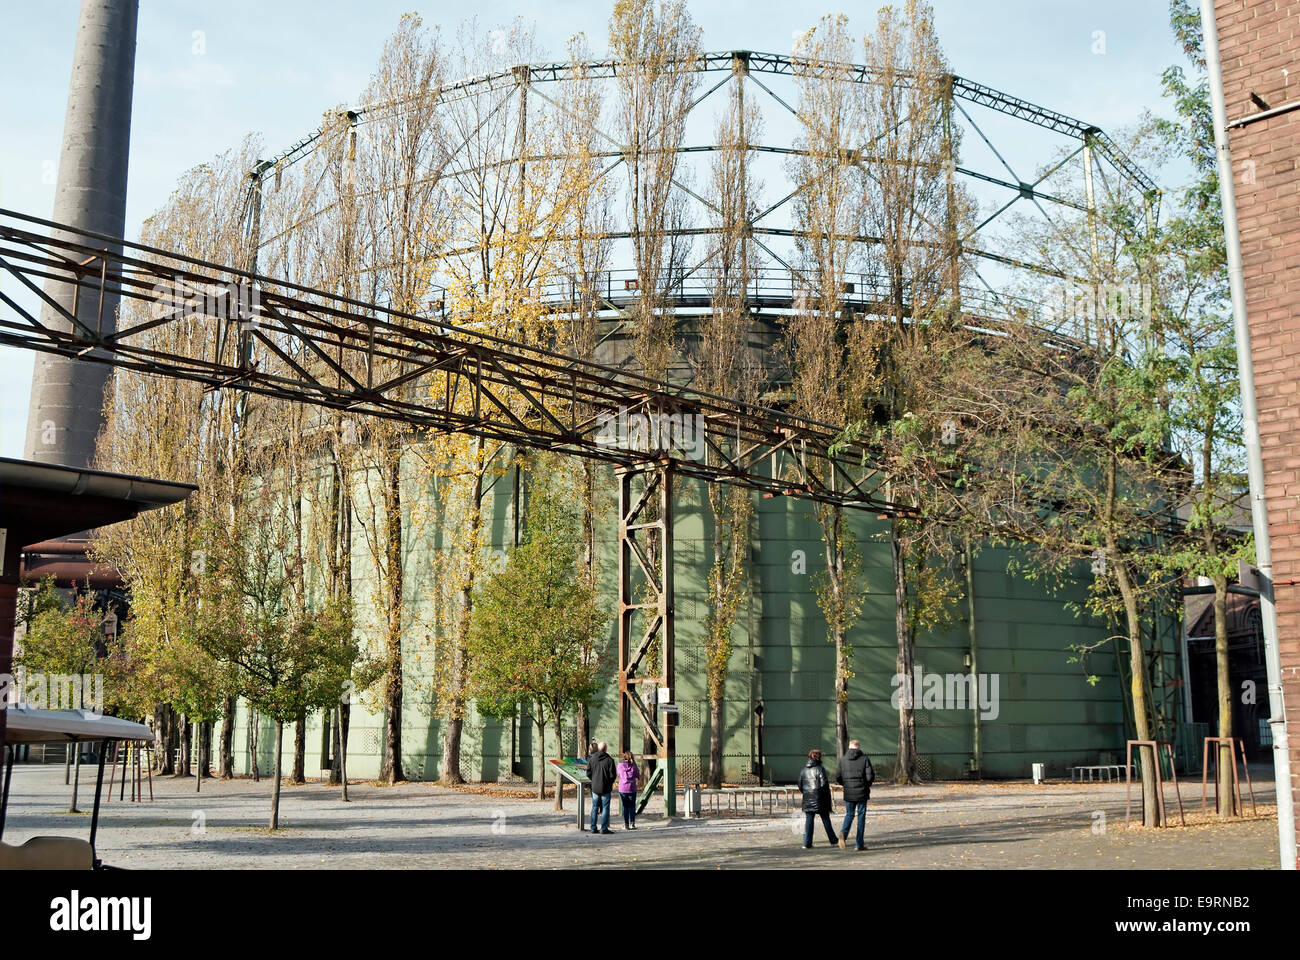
pixel 1254 458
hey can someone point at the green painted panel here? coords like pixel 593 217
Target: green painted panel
pixel 1047 711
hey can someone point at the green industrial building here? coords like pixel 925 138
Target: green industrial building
pixel 1038 705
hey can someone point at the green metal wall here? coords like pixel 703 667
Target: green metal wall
pixel 1048 712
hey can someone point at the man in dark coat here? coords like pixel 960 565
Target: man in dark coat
pixel 603 773
pixel 855 775
pixel 815 786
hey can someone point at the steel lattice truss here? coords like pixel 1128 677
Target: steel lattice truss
pixel 304 345
pixel 521 88
pixel 762 63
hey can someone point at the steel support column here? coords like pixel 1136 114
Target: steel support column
pixel 645 614
pixel 1093 247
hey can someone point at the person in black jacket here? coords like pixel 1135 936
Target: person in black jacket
pixel 815 786
pixel 603 773
pixel 855 775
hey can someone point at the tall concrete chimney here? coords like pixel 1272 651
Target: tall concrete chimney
pixel 66 410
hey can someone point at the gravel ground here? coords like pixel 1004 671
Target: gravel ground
pixel 419 825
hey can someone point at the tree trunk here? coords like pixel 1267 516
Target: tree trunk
pixel 716 667
pixel 392 768
pixel 584 727
pixel 183 768
pixel 905 769
pixel 832 522
pixel 163 737
pixel 275 787
pixel 1141 694
pixel 649 748
pixel 226 763
pixel 335 743
pixel 344 711
pixel 1227 753
pixel 716 706
pixel 205 730
pixel 540 766
pixel 338 773
pixel 252 744
pixel 557 719
pixel 300 749
pixel 460 664
pixel 456 722
pixel 451 752
pixel 841 694
pixel 588 565
pixel 327 738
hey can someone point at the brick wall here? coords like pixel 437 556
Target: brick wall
pixel 1259 43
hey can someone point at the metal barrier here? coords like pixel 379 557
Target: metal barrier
pixel 745 801
pixel 771 286
pixel 52 753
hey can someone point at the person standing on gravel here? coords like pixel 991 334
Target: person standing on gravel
pixel 815 786
pixel 855 774
pixel 602 773
pixel 628 775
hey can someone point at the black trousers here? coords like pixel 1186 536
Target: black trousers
pixel 826 822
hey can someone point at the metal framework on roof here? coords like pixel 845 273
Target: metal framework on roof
pixel 754 62
pixel 512 85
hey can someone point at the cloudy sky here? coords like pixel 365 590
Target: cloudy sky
pixel 209 72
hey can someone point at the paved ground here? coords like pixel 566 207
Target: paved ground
pixel 1054 825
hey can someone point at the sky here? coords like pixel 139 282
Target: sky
pixel 207 73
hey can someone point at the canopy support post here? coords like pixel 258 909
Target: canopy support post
pixel 99 783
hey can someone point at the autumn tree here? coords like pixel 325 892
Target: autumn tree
pixel 917 211
pixel 502 222
pixel 1190 316
pixel 1065 453
pixel 175 428
pixel 62 645
pixel 534 617
pixel 583 251
pixel 288 657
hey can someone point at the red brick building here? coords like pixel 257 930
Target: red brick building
pixel 1259 43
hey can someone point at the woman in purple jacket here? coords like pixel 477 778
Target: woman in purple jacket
pixel 628 775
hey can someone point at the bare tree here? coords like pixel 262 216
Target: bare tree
pixel 658 44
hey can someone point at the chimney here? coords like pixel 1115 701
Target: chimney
pixel 66 410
